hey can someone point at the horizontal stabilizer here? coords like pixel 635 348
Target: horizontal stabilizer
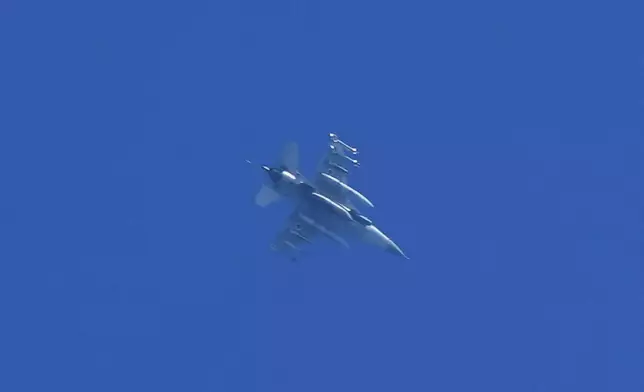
pixel 266 196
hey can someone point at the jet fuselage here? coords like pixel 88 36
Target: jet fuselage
pixel 298 191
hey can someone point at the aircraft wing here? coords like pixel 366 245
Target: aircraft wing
pixel 304 226
pixel 338 163
pixel 295 235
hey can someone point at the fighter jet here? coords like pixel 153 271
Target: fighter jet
pixel 323 207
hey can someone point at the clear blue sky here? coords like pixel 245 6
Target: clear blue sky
pixel 502 144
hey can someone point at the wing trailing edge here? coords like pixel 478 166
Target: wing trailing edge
pixel 290 158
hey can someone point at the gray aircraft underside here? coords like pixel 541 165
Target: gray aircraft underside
pixel 324 207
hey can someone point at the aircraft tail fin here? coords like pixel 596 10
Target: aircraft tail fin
pixel 266 196
pixel 290 157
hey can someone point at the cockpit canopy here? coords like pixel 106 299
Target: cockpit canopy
pixel 363 220
pixel 279 174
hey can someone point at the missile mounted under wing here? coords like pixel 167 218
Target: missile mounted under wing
pixel 322 206
pixel 359 195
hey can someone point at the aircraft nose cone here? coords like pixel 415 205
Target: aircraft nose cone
pixel 395 250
